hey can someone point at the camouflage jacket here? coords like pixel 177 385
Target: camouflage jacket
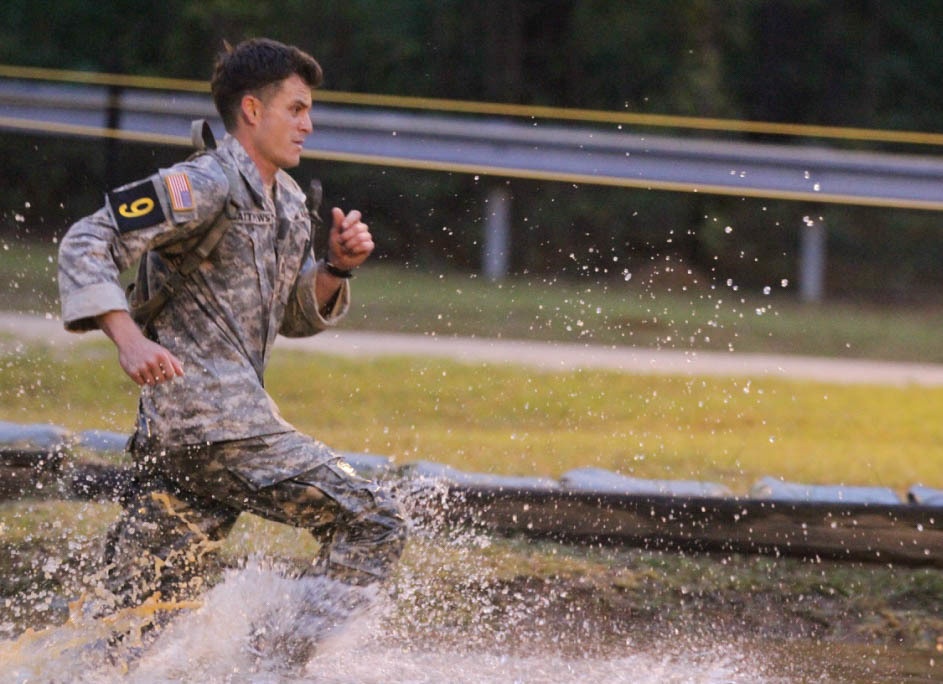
pixel 257 283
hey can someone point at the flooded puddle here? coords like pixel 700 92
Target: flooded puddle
pixel 461 609
pixel 216 642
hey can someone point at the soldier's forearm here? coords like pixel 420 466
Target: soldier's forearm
pixel 119 327
pixel 326 289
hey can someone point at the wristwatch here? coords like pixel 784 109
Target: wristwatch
pixel 335 271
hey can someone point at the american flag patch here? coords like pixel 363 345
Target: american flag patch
pixel 181 195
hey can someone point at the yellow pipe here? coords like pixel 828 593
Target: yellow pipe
pixel 499 109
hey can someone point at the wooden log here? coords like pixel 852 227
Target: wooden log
pixel 904 534
pixel 38 474
pixel 29 473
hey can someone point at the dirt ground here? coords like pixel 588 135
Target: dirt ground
pixel 800 621
pixel 556 356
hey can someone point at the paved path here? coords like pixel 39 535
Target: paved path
pixel 551 356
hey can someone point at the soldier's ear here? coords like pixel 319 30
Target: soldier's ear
pixel 251 109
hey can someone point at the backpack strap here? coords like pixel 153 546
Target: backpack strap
pixel 144 312
pixel 201 135
pixel 315 195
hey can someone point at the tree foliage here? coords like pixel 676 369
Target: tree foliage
pixel 861 63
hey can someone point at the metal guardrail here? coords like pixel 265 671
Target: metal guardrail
pixel 500 109
pixel 503 147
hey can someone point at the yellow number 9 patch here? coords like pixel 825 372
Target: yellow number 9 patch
pixel 137 208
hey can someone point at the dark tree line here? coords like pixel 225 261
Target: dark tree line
pixel 860 63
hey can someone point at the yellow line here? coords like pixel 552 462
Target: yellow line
pixel 485 170
pixel 617 181
pixel 499 109
pixel 93 131
pixel 150 82
pixel 620 118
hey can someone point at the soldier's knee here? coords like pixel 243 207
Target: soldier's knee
pixel 390 514
pixel 386 524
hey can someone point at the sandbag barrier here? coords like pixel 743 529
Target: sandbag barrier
pixel 588 505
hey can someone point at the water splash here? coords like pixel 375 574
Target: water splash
pixel 457 610
pixel 258 624
pixel 445 618
pixel 261 625
pixel 215 643
pixel 391 665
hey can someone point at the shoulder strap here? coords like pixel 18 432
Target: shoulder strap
pixel 201 135
pixel 145 312
pixel 315 195
pixel 203 140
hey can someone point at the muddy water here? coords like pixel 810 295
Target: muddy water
pixel 219 642
pixel 214 643
pixel 451 615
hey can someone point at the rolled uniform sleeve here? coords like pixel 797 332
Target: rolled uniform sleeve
pixel 305 315
pixel 88 272
pixel 135 218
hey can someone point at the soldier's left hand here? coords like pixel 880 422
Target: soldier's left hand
pixel 350 241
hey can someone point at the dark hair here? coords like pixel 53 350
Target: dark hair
pixel 253 65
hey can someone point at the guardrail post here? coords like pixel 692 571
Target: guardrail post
pixel 812 246
pixel 496 247
pixel 113 123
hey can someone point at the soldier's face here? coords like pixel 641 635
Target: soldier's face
pixel 284 121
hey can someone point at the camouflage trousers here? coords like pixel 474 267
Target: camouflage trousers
pixel 184 503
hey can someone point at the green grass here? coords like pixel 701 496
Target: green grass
pixel 640 312
pixel 661 306
pixel 28 276
pixel 509 420
pixel 513 421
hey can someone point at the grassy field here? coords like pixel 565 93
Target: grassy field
pixel 514 421
pixel 660 306
pixel 508 420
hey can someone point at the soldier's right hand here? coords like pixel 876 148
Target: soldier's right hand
pixel 144 361
pixel 148 363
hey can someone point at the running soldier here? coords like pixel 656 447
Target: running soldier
pixel 210 442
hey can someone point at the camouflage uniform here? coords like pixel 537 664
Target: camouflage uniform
pixel 212 443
